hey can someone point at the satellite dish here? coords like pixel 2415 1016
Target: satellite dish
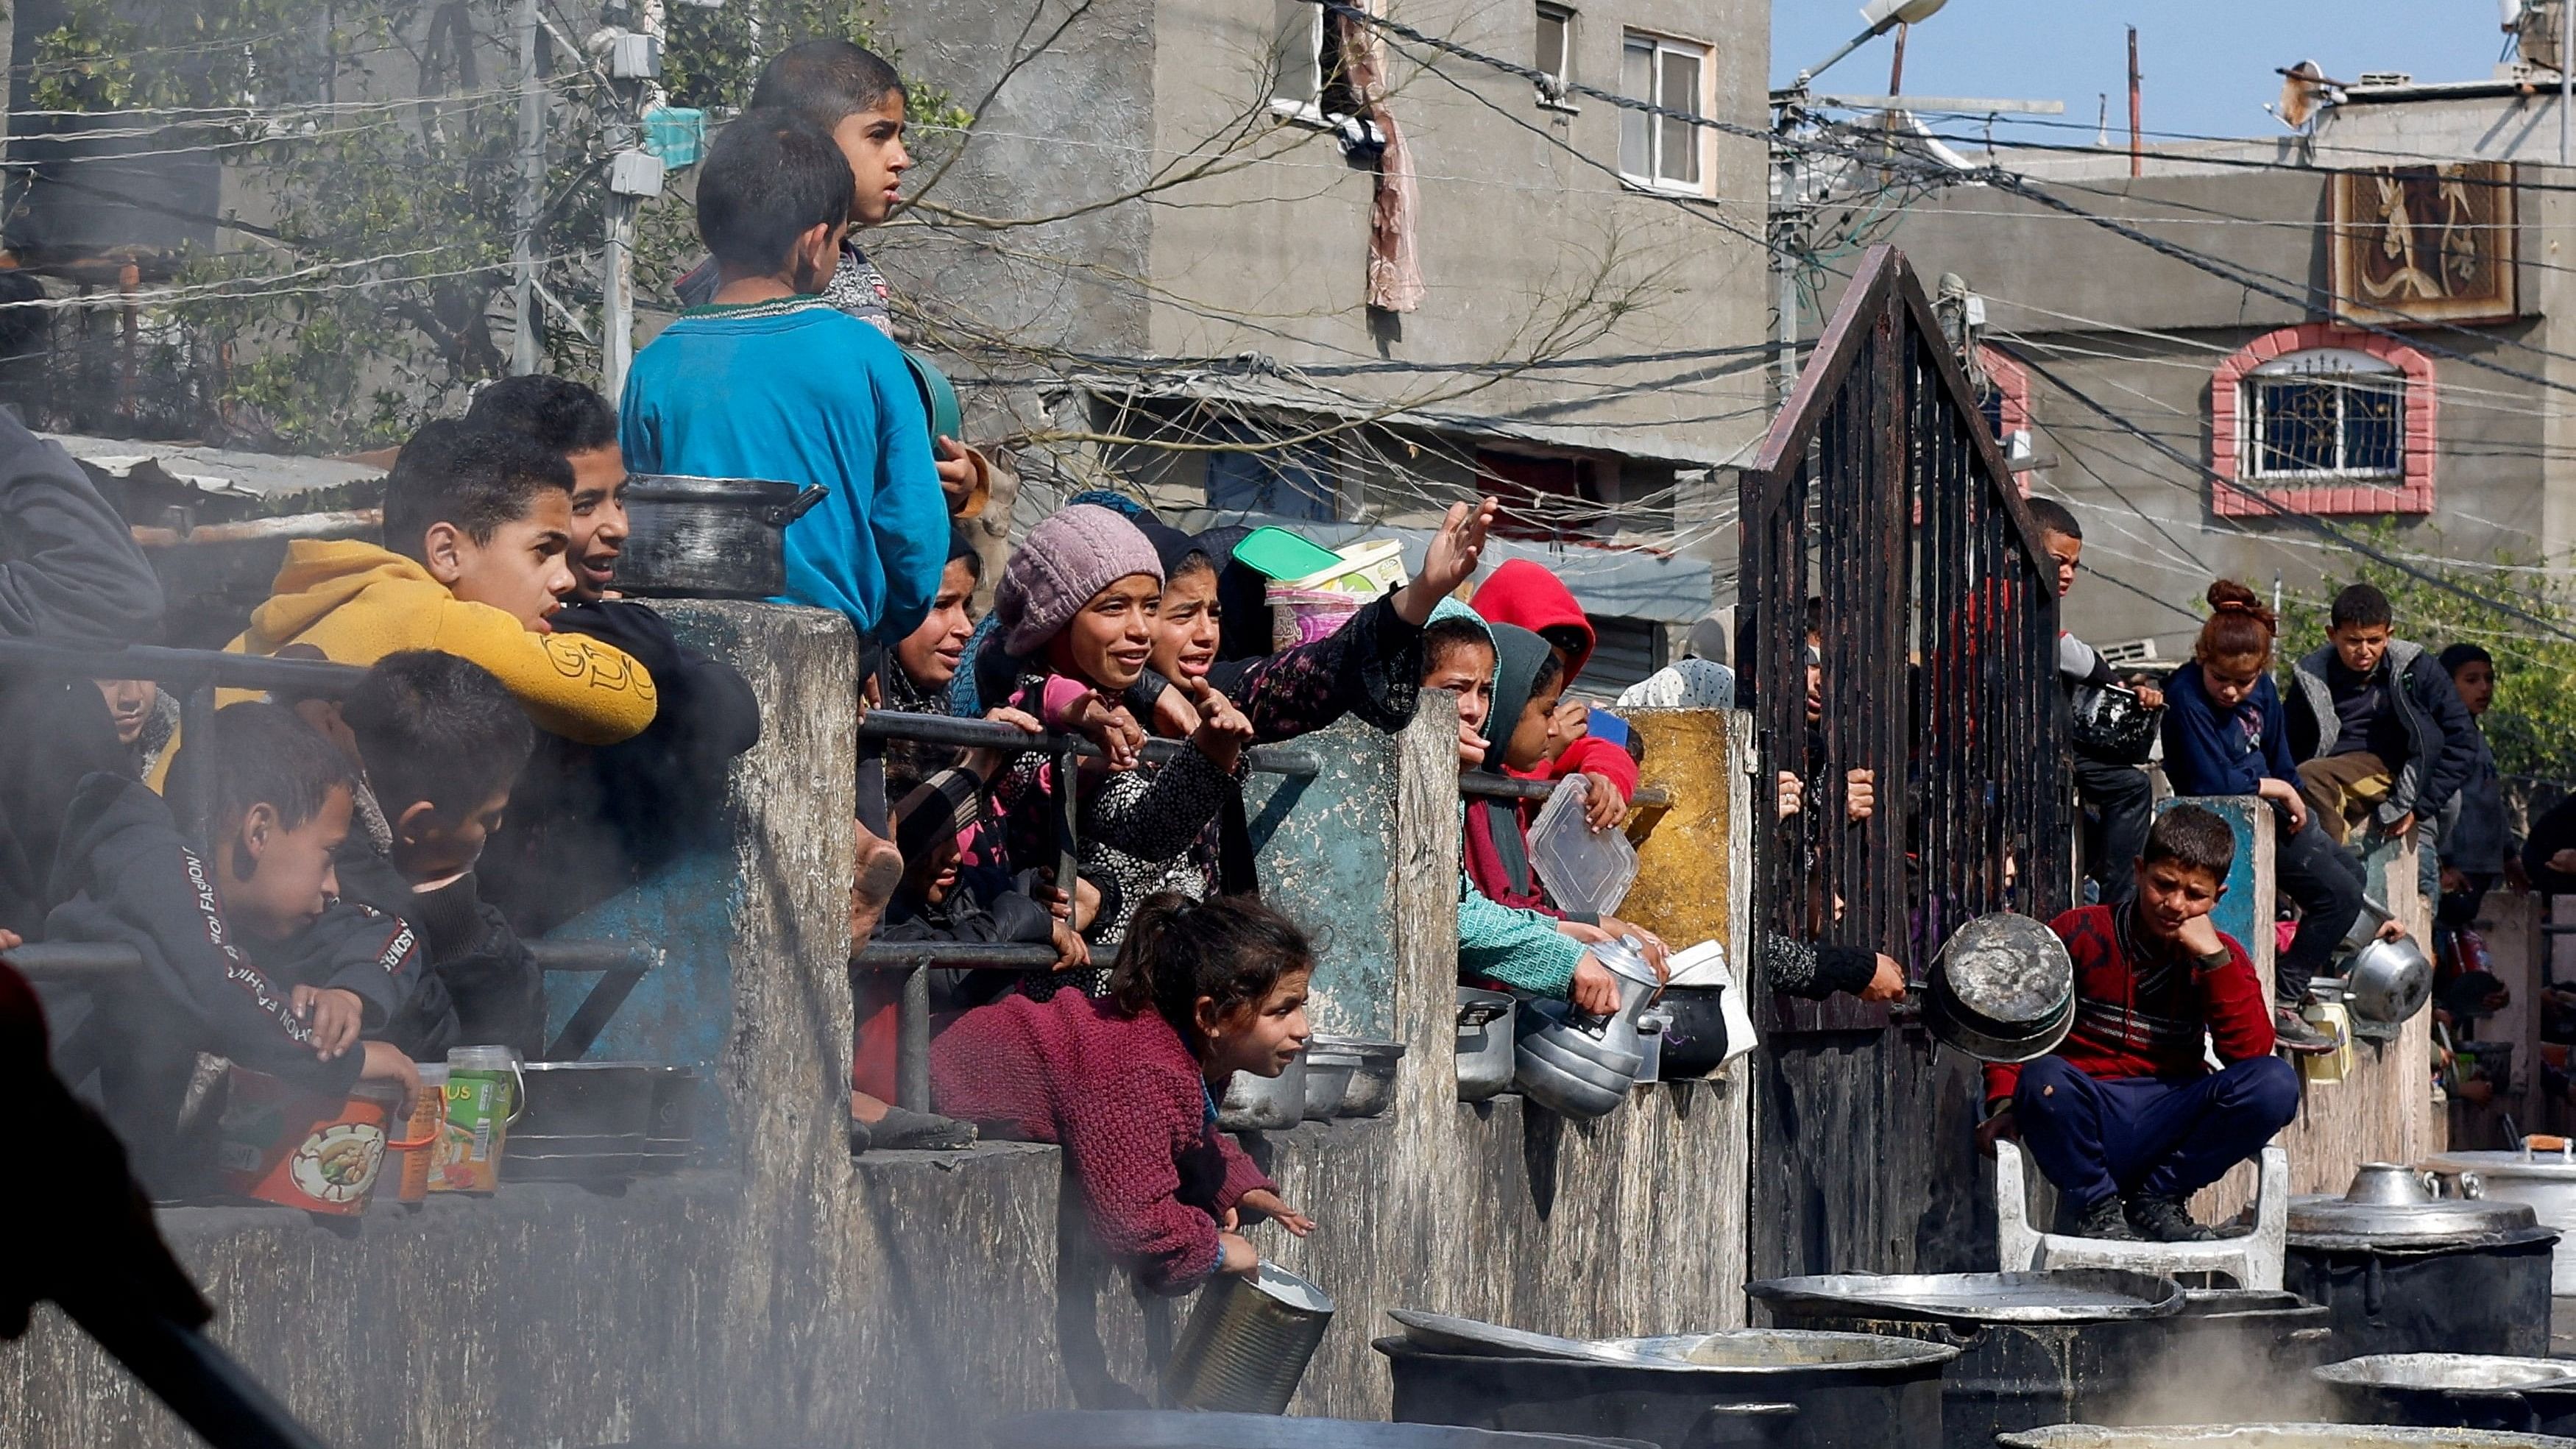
pixel 2302 88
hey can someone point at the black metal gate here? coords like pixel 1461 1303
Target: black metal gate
pixel 1881 515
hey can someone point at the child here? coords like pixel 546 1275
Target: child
pixel 2377 729
pixel 767 380
pixel 2473 830
pixel 1527 595
pixel 146 720
pixel 441 741
pixel 2223 735
pixel 2115 792
pixel 1128 1086
pixel 476 526
pixel 248 953
pixel 2124 1117
pixel 588 821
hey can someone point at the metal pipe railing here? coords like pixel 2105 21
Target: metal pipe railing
pixel 940 729
pixel 1503 787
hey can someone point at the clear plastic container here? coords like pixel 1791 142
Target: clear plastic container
pixel 1583 869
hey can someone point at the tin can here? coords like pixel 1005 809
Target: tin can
pixel 427 1129
pixel 1247 1343
pixel 320 1154
pixel 485 1094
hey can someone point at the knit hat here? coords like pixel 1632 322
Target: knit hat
pixel 1077 552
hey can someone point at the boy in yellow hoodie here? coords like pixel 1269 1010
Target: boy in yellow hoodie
pixel 476 525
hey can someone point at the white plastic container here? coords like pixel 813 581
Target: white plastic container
pixel 1583 869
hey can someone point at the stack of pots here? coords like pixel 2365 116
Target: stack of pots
pixel 1580 1065
pixel 2455 1391
pixel 2002 989
pixel 1485 1043
pixel 2405 1272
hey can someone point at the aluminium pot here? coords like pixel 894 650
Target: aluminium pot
pixel 2278 1339
pixel 2405 1272
pixel 1328 1079
pixel 2034 1348
pixel 1746 1387
pixel 2388 981
pixel 2274 1436
pixel 720 538
pixel 1265 1104
pixel 2455 1390
pixel 1485 1040
pixel 2002 989
pixel 2544 1181
pixel 1581 1065
pixel 586 1121
pixel 1372 1083
pixel 1182 1429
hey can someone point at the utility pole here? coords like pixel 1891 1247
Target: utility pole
pixel 2566 73
pixel 1788 227
pixel 2137 154
pixel 524 351
pixel 633 176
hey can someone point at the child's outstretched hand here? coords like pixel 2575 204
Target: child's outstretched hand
pixel 386 1062
pixel 1222 729
pixel 335 1016
pixel 1603 804
pixel 991 762
pixel 1267 1203
pixel 1072 953
pixel 1448 562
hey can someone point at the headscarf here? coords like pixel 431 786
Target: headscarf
pixel 1496 847
pixel 1242 596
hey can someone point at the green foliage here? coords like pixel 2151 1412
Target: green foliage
pixel 2532 724
pixel 358 288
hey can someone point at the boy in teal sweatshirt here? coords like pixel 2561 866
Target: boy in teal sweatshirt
pixel 769 380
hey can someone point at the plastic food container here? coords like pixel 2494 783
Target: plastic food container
pixel 302 1151
pixel 485 1094
pixel 1302 616
pixel 1583 869
pixel 428 1123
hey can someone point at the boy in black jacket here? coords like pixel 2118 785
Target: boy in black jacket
pixel 442 739
pixel 248 952
pixel 2379 734
pixel 589 821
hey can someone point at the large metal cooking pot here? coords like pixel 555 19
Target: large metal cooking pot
pixel 2277 1338
pixel 1573 1062
pixel 1182 1429
pixel 2002 989
pixel 2455 1390
pixel 2544 1181
pixel 2389 981
pixel 1698 1391
pixel 588 1121
pixel 2034 1348
pixel 2405 1272
pixel 722 538
pixel 2274 1436
pixel 1485 1043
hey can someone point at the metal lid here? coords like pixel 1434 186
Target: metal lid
pixel 2009 969
pixel 2470 1371
pixel 2392 1206
pixel 2066 1295
pixel 2506 1166
pixel 1626 960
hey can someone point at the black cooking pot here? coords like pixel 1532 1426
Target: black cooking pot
pixel 1695 1042
pixel 591 1121
pixel 2455 1391
pixel 2485 1296
pixel 1185 1429
pixel 721 538
pixel 1744 1388
pixel 2270 1342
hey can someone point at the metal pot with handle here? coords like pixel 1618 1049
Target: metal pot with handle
pixel 722 538
pixel 1573 1062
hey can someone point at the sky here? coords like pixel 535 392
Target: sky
pixel 2208 64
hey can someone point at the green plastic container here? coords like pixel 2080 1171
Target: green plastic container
pixel 1276 553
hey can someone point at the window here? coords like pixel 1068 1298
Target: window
pixel 2322 419
pixel 1306 64
pixel 1661 150
pixel 1542 497
pixel 1555 54
pixel 1291 481
pixel 2325 414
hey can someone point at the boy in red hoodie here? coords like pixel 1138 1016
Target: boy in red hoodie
pixel 1527 595
pixel 2125 1117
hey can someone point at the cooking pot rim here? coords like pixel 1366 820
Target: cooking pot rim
pixel 1898 1353
pixel 700 488
pixel 2380 1370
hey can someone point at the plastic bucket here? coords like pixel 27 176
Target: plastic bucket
pixel 1302 616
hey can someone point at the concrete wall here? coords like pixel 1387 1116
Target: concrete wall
pixel 2081 301
pixel 786 1296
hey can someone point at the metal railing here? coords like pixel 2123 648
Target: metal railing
pixel 1880 494
pixel 195 675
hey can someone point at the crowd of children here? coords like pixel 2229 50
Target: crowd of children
pixel 525 743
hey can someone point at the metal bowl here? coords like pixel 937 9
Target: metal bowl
pixel 723 538
pixel 2389 981
pixel 1328 1079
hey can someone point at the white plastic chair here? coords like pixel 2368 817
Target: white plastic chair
pixel 2251 1261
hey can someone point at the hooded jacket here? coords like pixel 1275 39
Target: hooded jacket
pixel 1527 595
pixel 126 876
pixel 357 603
pixel 69 567
pixel 2441 735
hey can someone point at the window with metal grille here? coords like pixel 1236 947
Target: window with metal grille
pixel 1624 651
pixel 1661 150
pixel 2329 412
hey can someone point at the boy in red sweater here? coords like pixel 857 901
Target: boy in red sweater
pixel 2125 1117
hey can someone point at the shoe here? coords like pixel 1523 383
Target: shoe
pixel 2293 1032
pixel 2160 1219
pixel 907 1131
pixel 861 1139
pixel 2103 1222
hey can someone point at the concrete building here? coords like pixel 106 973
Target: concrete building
pixel 1152 259
pixel 2374 343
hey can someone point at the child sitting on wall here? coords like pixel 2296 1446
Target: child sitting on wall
pixel 476 526
pixel 2125 1117
pixel 441 741
pixel 248 953
pixel 588 821
pixel 1129 1086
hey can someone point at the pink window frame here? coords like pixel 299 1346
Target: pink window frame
pixel 2013 382
pixel 2411 493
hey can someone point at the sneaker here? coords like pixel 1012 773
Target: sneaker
pixel 2295 1033
pixel 2103 1221
pixel 2162 1220
pixel 904 1130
